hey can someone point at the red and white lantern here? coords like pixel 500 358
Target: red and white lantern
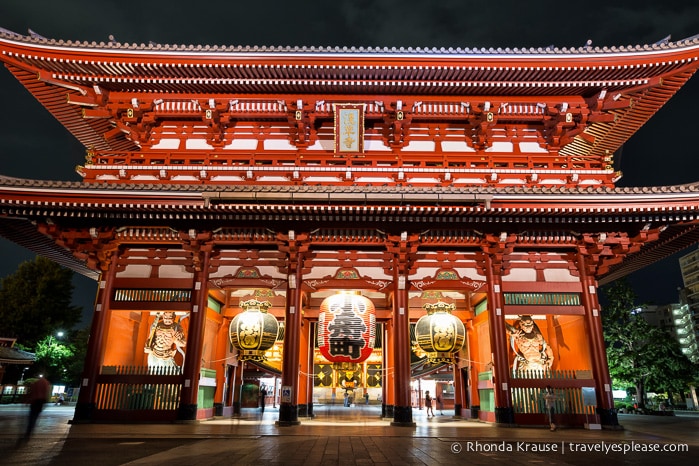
pixel 346 328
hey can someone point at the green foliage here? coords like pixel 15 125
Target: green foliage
pixel 676 371
pixel 36 301
pixel 74 366
pixel 638 353
pixel 61 359
pixel 53 355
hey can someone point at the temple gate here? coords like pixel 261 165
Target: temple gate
pixel 224 180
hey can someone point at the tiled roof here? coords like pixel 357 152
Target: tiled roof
pixel 672 209
pixel 621 86
pixel 15 356
pixel 208 48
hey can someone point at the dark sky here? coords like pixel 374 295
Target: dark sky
pixel 663 152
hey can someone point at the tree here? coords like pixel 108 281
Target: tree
pixel 53 355
pixel 639 353
pixel 74 366
pixel 677 374
pixel 35 301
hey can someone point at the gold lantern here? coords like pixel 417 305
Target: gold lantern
pixel 254 331
pixel 439 333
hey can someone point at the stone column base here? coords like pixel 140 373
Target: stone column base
pixel 403 416
pixel 288 415
pixel 83 412
pixel 504 416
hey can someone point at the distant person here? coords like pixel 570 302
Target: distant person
pixel 428 404
pixel 263 395
pixel 440 404
pixel 39 392
pixel 550 398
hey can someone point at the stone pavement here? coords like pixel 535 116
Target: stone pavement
pixel 338 435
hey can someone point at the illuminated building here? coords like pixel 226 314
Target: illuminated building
pixel 479 178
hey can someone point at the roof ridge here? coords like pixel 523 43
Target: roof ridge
pixel 419 50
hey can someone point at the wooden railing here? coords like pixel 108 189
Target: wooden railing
pixel 139 388
pixel 553 375
pixel 527 400
pixel 542 299
pixel 153 295
pixel 527 389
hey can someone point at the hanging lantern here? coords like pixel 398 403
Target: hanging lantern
pixel 346 329
pixel 439 333
pixel 253 331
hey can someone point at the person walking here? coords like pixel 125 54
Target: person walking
pixel 263 395
pixel 550 398
pixel 39 392
pixel 428 404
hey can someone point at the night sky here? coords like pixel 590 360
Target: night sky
pixel 663 152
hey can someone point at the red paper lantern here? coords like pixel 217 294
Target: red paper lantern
pixel 346 328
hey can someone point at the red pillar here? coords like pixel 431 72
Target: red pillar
pixel 237 387
pixel 459 386
pixel 195 340
pixel 288 407
pixel 305 398
pixel 87 398
pixel 501 369
pixel 472 340
pixel 222 343
pixel 600 366
pixel 388 376
pixel 402 409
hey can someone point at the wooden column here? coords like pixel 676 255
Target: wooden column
pixel 222 344
pixel 459 387
pixel 305 398
pixel 600 366
pixel 504 413
pixel 237 387
pixel 388 376
pixel 311 368
pixel 96 345
pixel 474 402
pixel 288 406
pixel 402 409
pixel 195 340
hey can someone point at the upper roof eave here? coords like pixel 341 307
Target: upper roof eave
pixel 649 74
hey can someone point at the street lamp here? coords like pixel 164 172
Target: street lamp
pixel 21 379
pixel 51 347
pixel 58 334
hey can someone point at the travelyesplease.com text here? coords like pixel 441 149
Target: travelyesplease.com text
pixel 564 447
